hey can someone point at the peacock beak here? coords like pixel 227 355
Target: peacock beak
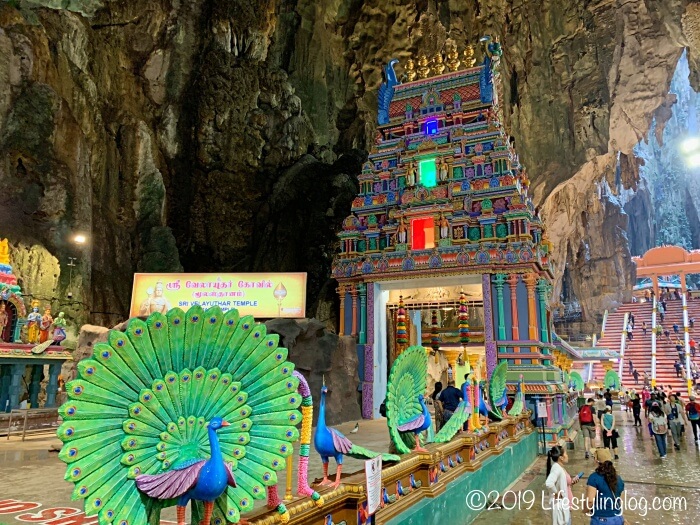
pixel 225 424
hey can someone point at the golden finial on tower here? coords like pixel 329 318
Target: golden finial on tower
pixel 410 70
pixel 452 61
pixel 468 57
pixel 423 67
pixel 4 252
pixel 438 64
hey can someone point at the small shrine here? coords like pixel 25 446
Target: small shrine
pixel 29 344
pixel 444 247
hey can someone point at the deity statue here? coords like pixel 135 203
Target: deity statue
pixel 410 70
pixel 468 57
pixel 443 170
pixel 438 64
pixel 423 67
pixel 33 320
pixel 3 321
pixel 453 61
pixel 59 328
pixel 401 232
pixel 411 176
pixel 45 325
pixel 4 252
pixel 444 227
pixel 156 301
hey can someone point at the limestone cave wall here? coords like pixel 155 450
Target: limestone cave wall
pixel 226 134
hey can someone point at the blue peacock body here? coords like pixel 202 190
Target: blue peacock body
pixel 143 405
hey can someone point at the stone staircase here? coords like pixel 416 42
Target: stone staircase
pixel 639 349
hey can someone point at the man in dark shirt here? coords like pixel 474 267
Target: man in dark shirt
pixel 450 398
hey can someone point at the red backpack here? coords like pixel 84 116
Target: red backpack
pixel 585 415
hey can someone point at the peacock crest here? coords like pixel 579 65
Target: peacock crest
pixel 142 403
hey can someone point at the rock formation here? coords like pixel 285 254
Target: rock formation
pixel 223 134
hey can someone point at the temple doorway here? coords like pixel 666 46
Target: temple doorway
pixel 427 301
pixel 9 330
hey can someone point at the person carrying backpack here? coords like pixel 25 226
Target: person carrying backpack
pixel 693 411
pixel 659 427
pixel 676 418
pixel 587 424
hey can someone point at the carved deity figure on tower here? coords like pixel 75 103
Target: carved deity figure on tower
pixel 45 325
pixel 411 175
pixel 33 320
pixel 4 252
pixel 443 170
pixel 3 321
pixel 401 232
pixel 444 226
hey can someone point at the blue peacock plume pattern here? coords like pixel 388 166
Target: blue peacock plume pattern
pixel 142 403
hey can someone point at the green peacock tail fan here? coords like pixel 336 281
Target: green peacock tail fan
pixel 407 381
pixel 497 388
pixel 142 402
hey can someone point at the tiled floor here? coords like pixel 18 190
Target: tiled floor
pixel 646 477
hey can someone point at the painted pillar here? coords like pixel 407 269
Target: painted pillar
pixel 362 290
pixel 530 281
pixel 341 292
pixel 52 386
pixel 5 374
pixel 655 281
pixel 353 294
pixel 499 280
pixel 513 279
pixel 686 337
pixel 542 298
pixel 653 340
pixel 623 344
pixel 560 407
pixel 368 384
pixel 489 343
pixel 35 385
pixel 684 287
pixel 17 371
pixel 550 419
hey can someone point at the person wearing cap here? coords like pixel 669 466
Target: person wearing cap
pixel 608 430
pixel 604 492
pixel 692 409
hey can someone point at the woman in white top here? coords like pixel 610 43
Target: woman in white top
pixel 558 484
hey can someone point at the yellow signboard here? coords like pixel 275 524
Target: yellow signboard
pixel 263 295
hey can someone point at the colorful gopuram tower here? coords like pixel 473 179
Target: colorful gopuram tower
pixel 444 210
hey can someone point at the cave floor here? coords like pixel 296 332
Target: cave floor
pixel 649 481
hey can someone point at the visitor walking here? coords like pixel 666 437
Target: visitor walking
pixel 667 334
pixel 600 406
pixel 692 409
pixel 559 484
pixel 636 408
pixel 679 348
pixel 659 427
pixel 692 322
pixel 450 398
pixel 630 333
pixel 587 423
pixel 646 395
pixel 677 366
pixel 692 344
pixel 631 318
pixel 644 327
pixel 437 404
pixel 635 374
pixel 631 367
pixel 609 432
pixel 675 328
pixel 676 419
pixel 604 493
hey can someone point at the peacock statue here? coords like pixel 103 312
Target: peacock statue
pixel 407 414
pixel 460 416
pixel 329 442
pixel 483 404
pixel 198 406
pixel 386 92
pixel 519 401
pixel 498 391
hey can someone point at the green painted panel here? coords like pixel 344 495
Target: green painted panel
pixel 428 173
pixel 496 473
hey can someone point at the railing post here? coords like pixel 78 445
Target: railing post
pixel 622 346
pixel 653 343
pixel 686 336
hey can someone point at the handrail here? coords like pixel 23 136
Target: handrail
pixel 686 337
pixel 653 342
pixel 621 361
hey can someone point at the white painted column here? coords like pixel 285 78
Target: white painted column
pixel 602 328
pixel 686 335
pixel 653 343
pixel 623 341
pixel 381 298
